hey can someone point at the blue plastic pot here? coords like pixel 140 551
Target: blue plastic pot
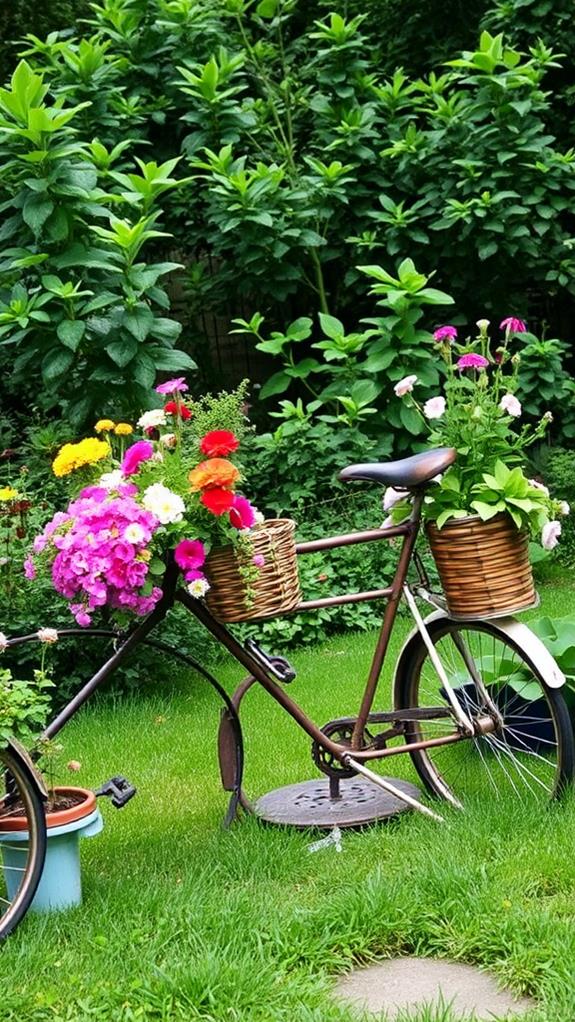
pixel 60 886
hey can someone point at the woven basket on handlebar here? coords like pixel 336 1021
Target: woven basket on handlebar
pixel 276 588
pixel 483 566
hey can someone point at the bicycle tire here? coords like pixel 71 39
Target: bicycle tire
pixel 532 751
pixel 21 863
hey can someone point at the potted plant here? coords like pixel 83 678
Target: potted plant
pixel 172 491
pixel 71 812
pixel 480 513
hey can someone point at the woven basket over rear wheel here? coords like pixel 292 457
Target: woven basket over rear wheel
pixel 483 566
pixel 275 590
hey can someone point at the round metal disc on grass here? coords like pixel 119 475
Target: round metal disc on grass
pixel 308 803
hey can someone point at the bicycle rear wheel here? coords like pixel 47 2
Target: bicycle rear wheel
pixel 21 863
pixel 529 755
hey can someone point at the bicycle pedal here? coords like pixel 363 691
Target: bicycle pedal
pixel 277 666
pixel 118 790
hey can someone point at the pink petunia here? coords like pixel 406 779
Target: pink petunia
pixel 513 325
pixel 141 451
pixel 472 361
pixel 189 554
pixel 242 514
pixel 178 385
pixel 445 333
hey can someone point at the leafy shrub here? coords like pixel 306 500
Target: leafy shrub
pixel 78 305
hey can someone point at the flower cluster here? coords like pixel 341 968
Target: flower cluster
pixel 479 415
pixel 172 491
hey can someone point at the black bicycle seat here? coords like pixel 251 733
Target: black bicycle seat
pixel 407 474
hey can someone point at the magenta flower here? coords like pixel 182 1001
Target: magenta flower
pixel 259 560
pixel 142 450
pixel 445 333
pixel 29 569
pixel 513 325
pixel 178 385
pixel 472 361
pixel 242 514
pixel 189 554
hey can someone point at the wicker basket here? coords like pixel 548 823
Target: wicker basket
pixel 483 566
pixel 277 587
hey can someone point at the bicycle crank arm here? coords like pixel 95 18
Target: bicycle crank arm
pixel 382 782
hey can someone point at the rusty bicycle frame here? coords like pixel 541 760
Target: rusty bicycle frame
pixel 353 756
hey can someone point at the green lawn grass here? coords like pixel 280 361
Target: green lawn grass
pixel 184 921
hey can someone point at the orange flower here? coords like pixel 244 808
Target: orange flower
pixel 213 472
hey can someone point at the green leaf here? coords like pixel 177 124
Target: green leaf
pixel 121 352
pixel 486 511
pixel 276 384
pixel 410 419
pixel 139 321
pixel 168 359
pixel 70 332
pixel 331 326
pixel 267 8
pixel 56 363
pixel 36 210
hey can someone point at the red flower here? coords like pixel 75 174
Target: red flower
pixel 217 500
pixel 172 409
pixel 219 443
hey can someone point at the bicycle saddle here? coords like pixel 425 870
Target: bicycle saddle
pixel 407 474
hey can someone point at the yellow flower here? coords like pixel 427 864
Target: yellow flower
pixel 8 493
pixel 123 429
pixel 104 425
pixel 72 456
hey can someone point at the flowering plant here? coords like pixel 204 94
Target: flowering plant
pixel 479 415
pixel 174 488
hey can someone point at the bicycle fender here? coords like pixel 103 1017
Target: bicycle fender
pixel 27 761
pixel 519 633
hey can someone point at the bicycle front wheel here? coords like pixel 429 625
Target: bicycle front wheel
pixel 530 752
pixel 21 861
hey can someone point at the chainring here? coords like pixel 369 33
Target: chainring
pixel 339 731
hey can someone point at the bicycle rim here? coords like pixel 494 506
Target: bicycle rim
pixel 21 862
pixel 529 755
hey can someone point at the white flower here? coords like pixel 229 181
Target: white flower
pixel 167 506
pixel 169 440
pixel 548 417
pixel 404 386
pixel 134 533
pixel 387 524
pixel 259 518
pixel 564 507
pixel 483 325
pixel 391 497
pixel 198 587
pixel 3 642
pixel 550 535
pixel 511 405
pixel 49 635
pixel 111 480
pixel 157 457
pixel 434 408
pixel 539 486
pixel 150 420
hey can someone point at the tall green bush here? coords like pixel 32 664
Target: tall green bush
pixel 81 313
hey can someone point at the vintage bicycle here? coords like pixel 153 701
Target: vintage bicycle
pixel 476 704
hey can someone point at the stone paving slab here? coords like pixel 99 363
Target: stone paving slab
pixel 404 984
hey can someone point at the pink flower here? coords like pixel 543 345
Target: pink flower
pixel 434 408
pixel 189 554
pixel 511 405
pixel 472 361
pixel 259 560
pixel 142 450
pixel 445 333
pixel 513 325
pixel 404 386
pixel 242 514
pixel 29 569
pixel 550 535
pixel 178 385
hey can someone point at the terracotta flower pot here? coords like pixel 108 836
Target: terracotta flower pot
pixel 483 566
pixel 75 815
